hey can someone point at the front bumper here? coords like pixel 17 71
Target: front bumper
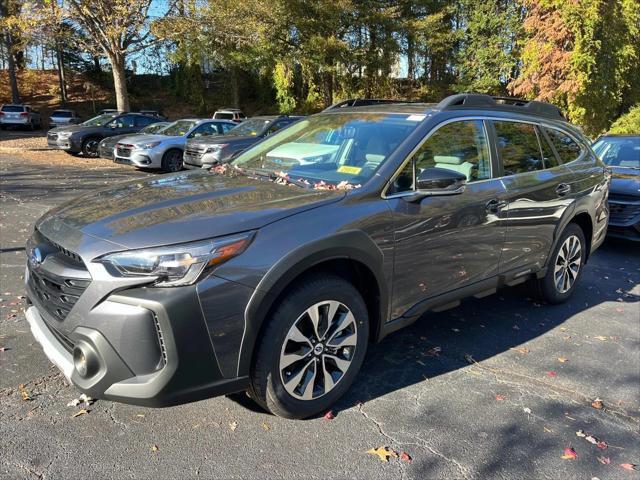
pixel 624 220
pixel 139 158
pixel 66 144
pixel 193 161
pixel 145 346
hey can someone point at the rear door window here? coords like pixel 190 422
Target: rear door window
pixel 518 147
pixel 567 148
pixel 144 121
pixel 549 157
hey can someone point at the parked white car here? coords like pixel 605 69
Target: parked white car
pixel 233 114
pixel 63 117
pixel 164 150
pixel 20 115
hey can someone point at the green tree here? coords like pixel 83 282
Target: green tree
pixel 629 123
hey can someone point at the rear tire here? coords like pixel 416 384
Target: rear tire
pixel 172 161
pixel 302 367
pixel 565 266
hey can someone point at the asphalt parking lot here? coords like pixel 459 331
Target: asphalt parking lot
pixel 496 388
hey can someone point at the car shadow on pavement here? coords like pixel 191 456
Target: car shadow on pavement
pixel 439 343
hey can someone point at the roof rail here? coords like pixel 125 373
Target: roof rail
pixel 478 100
pixel 361 102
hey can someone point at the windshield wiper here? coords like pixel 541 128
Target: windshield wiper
pixel 271 175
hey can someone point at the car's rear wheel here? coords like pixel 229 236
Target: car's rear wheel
pixel 90 147
pixel 311 349
pixel 565 266
pixel 172 161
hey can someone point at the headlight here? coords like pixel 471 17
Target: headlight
pixel 146 146
pixel 176 264
pixel 64 135
pixel 215 148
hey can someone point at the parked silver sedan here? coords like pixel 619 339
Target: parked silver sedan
pixel 63 117
pixel 164 150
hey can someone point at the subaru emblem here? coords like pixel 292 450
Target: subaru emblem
pixel 35 257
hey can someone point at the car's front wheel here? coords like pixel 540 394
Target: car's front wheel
pixel 565 266
pixel 311 349
pixel 90 147
pixel 172 161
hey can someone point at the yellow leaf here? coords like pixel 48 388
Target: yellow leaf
pixel 154 448
pixel 233 426
pixel 563 359
pixel 601 338
pixel 383 453
pixel 80 412
pixel 265 426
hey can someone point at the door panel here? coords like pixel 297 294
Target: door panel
pixel 444 243
pixel 537 192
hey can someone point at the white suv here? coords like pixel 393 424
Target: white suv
pixel 233 114
pixel 22 115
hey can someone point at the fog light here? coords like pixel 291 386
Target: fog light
pixel 85 362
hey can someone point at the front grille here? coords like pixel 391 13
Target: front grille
pixel 623 212
pixel 193 154
pixel 56 295
pixel 52 136
pixel 123 150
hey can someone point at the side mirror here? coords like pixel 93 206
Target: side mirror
pixel 439 181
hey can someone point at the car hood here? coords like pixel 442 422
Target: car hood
pixel 177 208
pixel 111 141
pixel 75 128
pixel 217 139
pixel 625 181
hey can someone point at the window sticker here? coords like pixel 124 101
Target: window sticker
pixel 348 169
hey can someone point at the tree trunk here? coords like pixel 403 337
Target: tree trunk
pixel 119 82
pixel 96 64
pixel 327 89
pixel 235 87
pixel 61 80
pixel 13 80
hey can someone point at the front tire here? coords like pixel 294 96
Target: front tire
pixel 172 161
pixel 565 267
pixel 90 147
pixel 311 349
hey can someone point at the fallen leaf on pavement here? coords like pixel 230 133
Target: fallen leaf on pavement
pixel 329 415
pixel 597 403
pixel 552 373
pixel 591 439
pixel 233 426
pixel 74 403
pixel 80 412
pixel 383 453
pixel 526 410
pixel 628 466
pixel 602 445
pixel 154 448
pixel 546 429
pixel 404 456
pixel 580 433
pixel 500 397
pixel 434 352
pixel 4 349
pixel 601 338
pixel 23 391
pixel 569 454
pixel 604 460
pixel 523 350
pixel 563 359
pixel 266 426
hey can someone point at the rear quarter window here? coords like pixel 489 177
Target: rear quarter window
pixel 518 146
pixel 568 149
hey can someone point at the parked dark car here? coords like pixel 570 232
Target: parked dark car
pixel 106 146
pixel 84 138
pixel 206 152
pixel 154 113
pixel 621 153
pixel 272 274
pixel 111 111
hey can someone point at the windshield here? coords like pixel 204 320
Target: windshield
pixel 98 121
pixel 178 128
pixel 223 115
pixel 331 148
pixel 250 128
pixel 62 114
pixel 619 151
pixel 154 127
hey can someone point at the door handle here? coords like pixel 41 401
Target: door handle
pixel 494 205
pixel 563 189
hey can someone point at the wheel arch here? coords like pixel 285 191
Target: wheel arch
pixel 352 254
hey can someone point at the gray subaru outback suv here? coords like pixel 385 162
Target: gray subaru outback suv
pixel 274 273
